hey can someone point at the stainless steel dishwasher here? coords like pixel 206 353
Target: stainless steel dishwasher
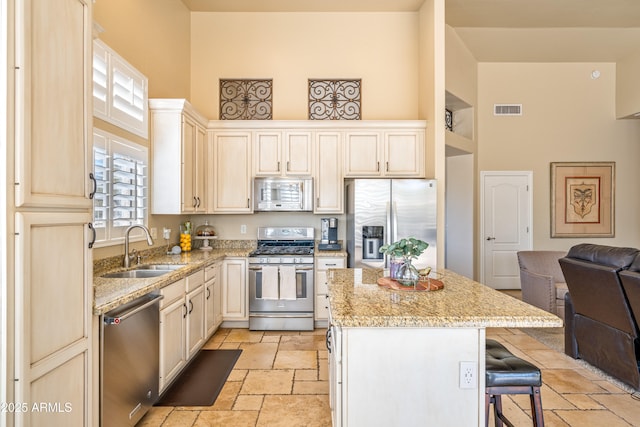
pixel 129 360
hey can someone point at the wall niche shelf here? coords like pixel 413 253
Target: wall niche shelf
pixel 463 120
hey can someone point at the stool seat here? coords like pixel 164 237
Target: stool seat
pixel 508 374
pixel 505 369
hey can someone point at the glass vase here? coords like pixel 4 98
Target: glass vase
pixel 407 274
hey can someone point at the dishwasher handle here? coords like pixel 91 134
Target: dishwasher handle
pixel 115 320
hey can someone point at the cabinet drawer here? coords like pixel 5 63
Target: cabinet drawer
pixel 172 292
pixel 327 263
pixel 210 272
pixel 195 279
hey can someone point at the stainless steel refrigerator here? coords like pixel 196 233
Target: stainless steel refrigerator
pixel 382 211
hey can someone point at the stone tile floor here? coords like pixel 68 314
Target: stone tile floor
pixel 281 380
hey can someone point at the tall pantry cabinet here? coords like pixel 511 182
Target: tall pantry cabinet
pixel 52 359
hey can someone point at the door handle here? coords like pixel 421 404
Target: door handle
pixel 491 238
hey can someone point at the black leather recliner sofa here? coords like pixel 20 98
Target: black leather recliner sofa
pixel 600 325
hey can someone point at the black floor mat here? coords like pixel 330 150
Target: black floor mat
pixel 201 381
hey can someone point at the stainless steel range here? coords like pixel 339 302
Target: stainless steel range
pixel 281 294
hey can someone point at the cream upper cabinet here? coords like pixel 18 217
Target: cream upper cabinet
pixel 404 153
pixel 384 153
pixel 328 179
pixel 362 154
pixel 52 128
pixel 178 156
pixel 283 153
pixel 229 154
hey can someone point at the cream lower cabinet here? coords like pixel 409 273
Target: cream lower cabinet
pixel 323 264
pixel 213 299
pixel 182 314
pixel 229 154
pixel 328 178
pixel 195 300
pixel 235 303
pixel 55 328
pixel 173 320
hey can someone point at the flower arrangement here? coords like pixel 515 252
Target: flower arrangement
pixel 409 248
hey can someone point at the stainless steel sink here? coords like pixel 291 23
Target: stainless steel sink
pixel 169 267
pixel 136 274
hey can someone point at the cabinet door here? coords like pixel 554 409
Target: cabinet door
pixel 217 302
pixel 189 164
pixel 199 179
pixel 329 185
pixel 172 341
pixel 52 126
pixel 298 153
pixel 234 289
pixel 267 153
pixel 209 308
pixel 195 320
pixel 232 180
pixel 404 154
pixel 53 351
pixel 322 287
pixel 363 151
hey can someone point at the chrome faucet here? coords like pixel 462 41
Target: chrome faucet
pixel 128 257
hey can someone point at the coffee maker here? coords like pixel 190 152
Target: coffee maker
pixel 329 235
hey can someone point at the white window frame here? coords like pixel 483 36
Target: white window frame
pixel 120 92
pixel 122 192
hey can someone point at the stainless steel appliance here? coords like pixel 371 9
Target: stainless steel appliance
pixel 282 194
pixel 329 235
pixel 281 294
pixel 129 348
pixel 382 211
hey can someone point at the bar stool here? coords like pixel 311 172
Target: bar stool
pixel 508 374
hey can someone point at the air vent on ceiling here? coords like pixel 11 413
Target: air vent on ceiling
pixel 507 109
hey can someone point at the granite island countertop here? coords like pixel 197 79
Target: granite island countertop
pixel 356 300
pixel 109 293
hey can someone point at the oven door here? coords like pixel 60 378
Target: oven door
pixel 304 292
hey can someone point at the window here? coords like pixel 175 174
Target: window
pixel 121 170
pixel 119 91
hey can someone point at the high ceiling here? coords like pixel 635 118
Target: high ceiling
pixel 499 30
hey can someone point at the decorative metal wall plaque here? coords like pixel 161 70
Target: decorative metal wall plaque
pixel 334 99
pixel 242 99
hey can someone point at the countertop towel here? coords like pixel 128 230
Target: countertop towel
pixel 287 282
pixel 269 282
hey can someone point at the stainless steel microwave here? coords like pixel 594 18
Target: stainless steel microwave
pixel 282 194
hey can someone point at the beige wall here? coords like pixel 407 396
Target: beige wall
pixel 153 36
pixel 627 87
pixel 290 48
pixel 567 116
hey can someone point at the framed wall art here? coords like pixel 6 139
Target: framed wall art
pixel 582 199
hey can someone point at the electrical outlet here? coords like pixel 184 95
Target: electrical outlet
pixel 166 233
pixel 153 232
pixel 243 229
pixel 468 375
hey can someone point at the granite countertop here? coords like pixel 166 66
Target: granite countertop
pixel 356 300
pixel 111 293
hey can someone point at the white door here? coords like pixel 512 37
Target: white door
pixel 506 226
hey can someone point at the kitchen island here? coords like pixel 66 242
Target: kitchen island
pixel 396 357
